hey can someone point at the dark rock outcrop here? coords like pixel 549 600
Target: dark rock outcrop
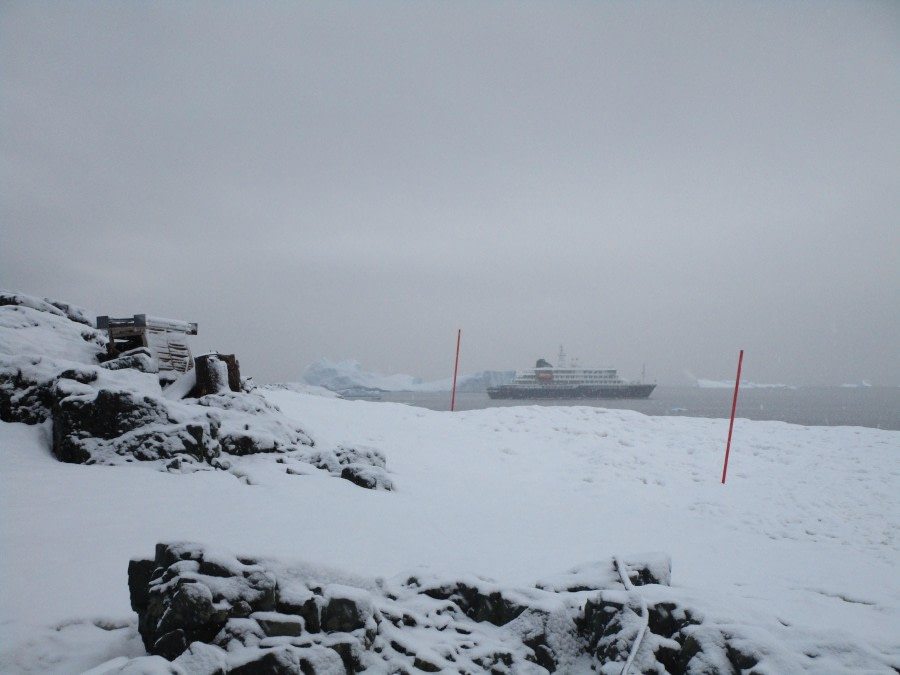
pixel 212 613
pixel 24 395
pixel 117 412
pixel 480 601
pixel 183 596
pixel 137 359
pixel 366 467
pixel 99 425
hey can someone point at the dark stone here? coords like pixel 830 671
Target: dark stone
pixel 600 623
pixel 84 376
pixel 171 593
pixel 656 569
pixel 669 658
pixel 739 659
pixel 23 399
pixel 690 647
pixel 366 456
pixel 166 555
pixel 360 475
pixel 479 605
pixel 543 655
pixel 348 651
pixel 238 631
pixel 663 620
pixel 108 415
pixel 309 610
pixel 138 359
pixel 427 666
pixel 191 606
pixel 139 574
pixel 245 444
pixel 214 568
pixel 400 649
pixel 275 625
pixel 171 645
pixel 342 615
pixel 274 662
pixel 289 660
pixel 259 590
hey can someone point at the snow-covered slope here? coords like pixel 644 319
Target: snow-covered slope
pixel 799 549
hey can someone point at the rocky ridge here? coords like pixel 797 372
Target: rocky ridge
pixel 209 612
pixel 116 412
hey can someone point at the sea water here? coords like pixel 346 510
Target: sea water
pixel 876 407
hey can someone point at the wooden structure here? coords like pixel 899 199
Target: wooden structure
pixel 166 340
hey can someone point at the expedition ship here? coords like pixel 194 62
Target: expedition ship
pixel 545 381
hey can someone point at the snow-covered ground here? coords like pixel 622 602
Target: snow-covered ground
pixel 795 558
pixel 798 549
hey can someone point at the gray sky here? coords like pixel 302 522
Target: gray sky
pixel 646 183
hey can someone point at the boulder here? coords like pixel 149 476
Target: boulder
pixel 346 609
pixel 369 477
pixel 191 594
pixel 362 466
pixel 104 425
pixel 25 396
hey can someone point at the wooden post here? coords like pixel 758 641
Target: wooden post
pixel 455 369
pixel 216 373
pixel 737 382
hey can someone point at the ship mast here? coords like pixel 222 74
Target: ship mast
pixel 561 361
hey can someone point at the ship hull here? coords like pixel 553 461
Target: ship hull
pixel 507 391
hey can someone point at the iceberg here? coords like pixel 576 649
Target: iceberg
pixel 349 375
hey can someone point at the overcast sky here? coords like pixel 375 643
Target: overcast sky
pixel 648 183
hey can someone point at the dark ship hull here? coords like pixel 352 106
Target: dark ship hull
pixel 556 392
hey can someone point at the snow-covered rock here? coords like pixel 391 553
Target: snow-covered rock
pixel 210 612
pixel 116 412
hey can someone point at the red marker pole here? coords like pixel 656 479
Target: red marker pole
pixel 455 368
pixel 737 382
